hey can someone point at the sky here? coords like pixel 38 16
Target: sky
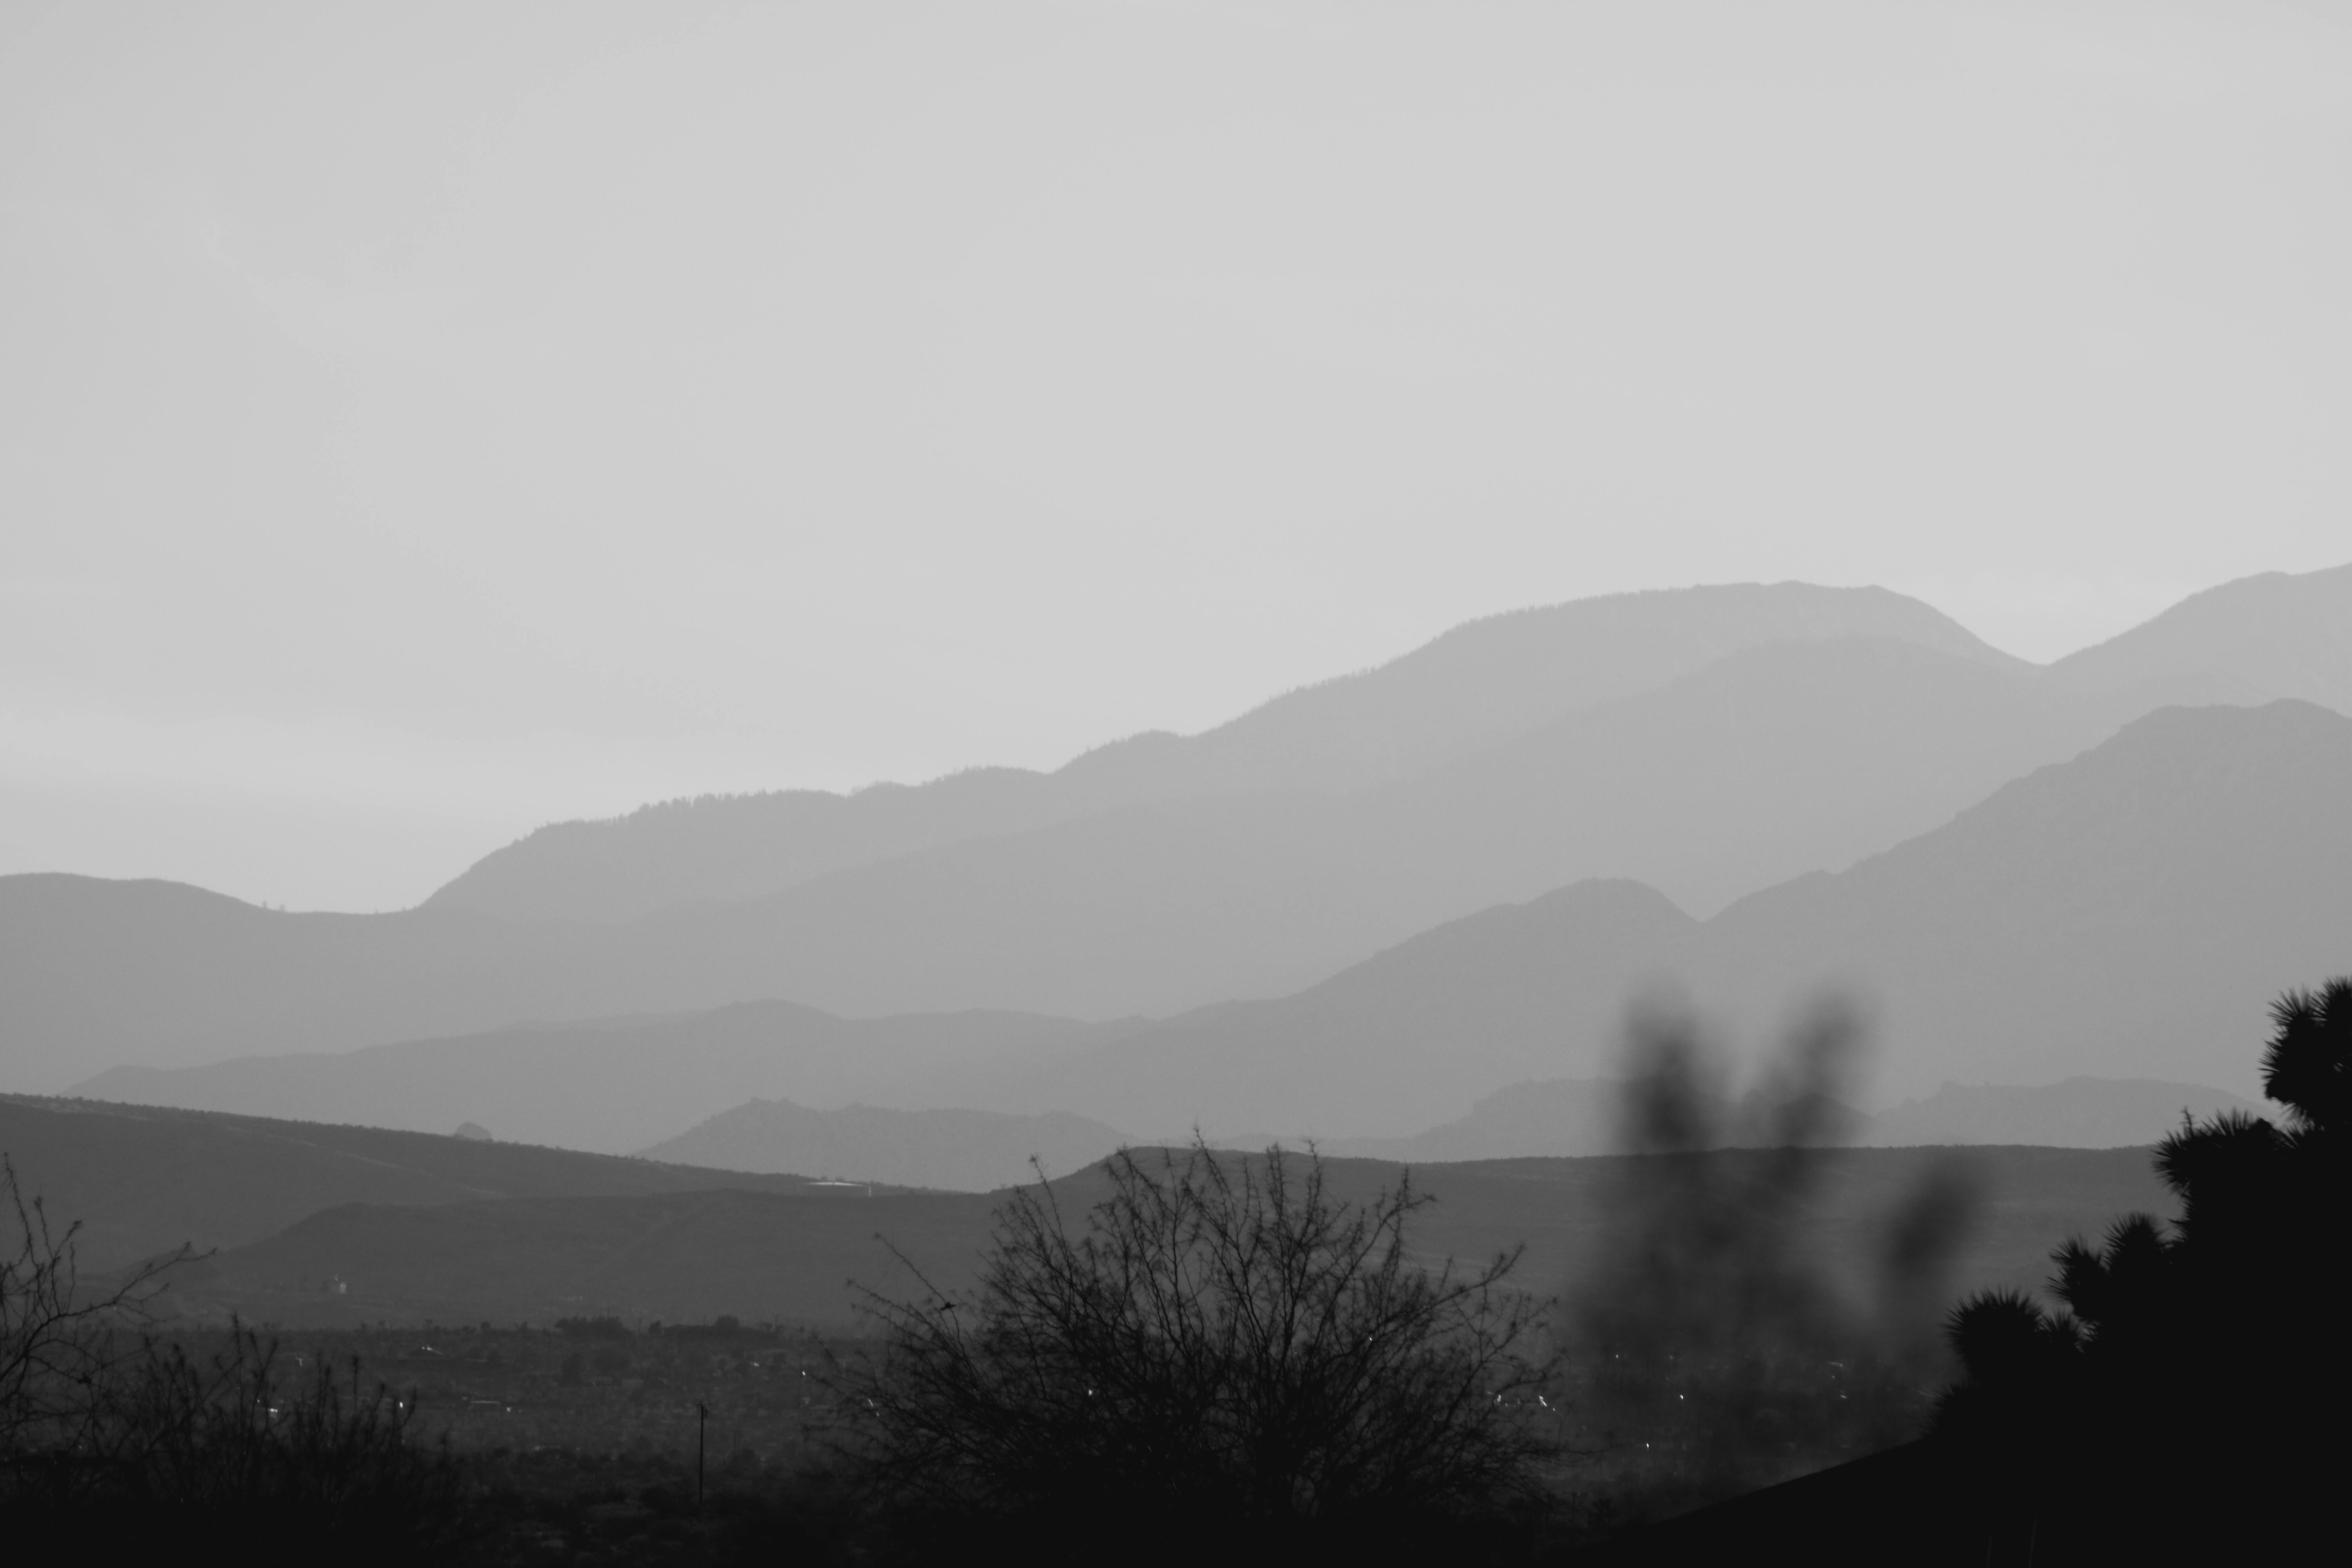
pixel 420 422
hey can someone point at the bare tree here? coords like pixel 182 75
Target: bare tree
pixel 1222 1344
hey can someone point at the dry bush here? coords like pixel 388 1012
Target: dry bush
pixel 1223 1351
pixel 119 1441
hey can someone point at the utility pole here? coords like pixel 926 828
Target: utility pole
pixel 701 1428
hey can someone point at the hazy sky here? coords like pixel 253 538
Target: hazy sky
pixel 420 422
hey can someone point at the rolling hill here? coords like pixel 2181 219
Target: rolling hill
pixel 141 1181
pixel 954 1151
pixel 803 1258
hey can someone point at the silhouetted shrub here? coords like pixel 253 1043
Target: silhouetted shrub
pixel 1223 1355
pixel 2196 1362
pixel 172 1448
pixel 326 1452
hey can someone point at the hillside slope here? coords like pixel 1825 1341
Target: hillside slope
pixel 2129 914
pixel 954 1151
pixel 803 1258
pixel 1477 685
pixel 142 1181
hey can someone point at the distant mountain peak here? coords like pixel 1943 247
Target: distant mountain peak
pixel 2277 634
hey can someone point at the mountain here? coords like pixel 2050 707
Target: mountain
pixel 1764 765
pixel 150 971
pixel 1798 750
pixel 802 1256
pixel 1772 762
pixel 142 1181
pixel 1387 1045
pixel 2131 914
pixel 2257 638
pixel 616 1085
pixel 955 1151
pixel 2128 914
pixel 1501 982
pixel 1475 686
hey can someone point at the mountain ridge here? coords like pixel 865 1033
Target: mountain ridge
pixel 1732 777
pixel 1478 682
pixel 2151 949
pixel 2129 913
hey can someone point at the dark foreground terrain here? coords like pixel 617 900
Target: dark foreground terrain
pixel 312 1226
pixel 540 1356
pixel 591 1441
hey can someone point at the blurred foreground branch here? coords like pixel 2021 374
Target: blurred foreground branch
pixel 1726 1348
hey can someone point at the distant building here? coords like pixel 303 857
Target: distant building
pixel 474 1130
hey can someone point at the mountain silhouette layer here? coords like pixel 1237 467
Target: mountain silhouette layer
pixel 1775 761
pixel 2128 914
pixel 1807 753
pixel 1479 684
pixel 2276 635
pixel 614 1086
